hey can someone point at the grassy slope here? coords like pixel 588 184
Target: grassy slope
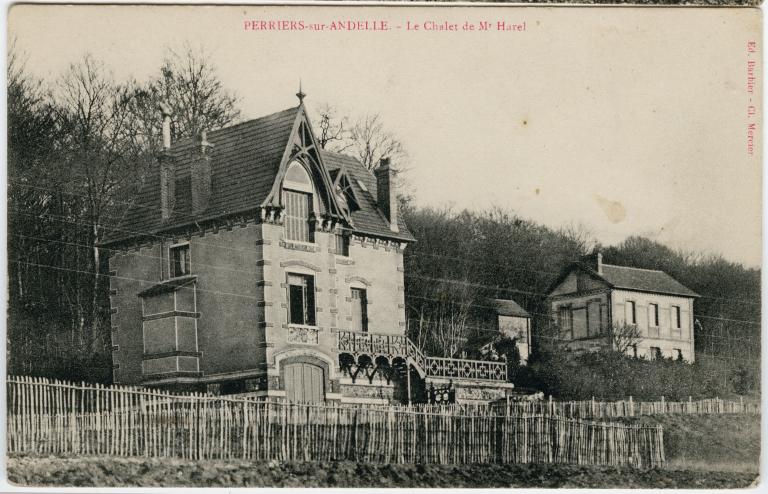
pixel 710 442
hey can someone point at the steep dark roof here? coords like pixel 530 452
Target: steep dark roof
pixel 645 280
pixel 245 161
pixel 369 218
pixel 509 308
pixel 627 278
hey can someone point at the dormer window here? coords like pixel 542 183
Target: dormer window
pixel 297 197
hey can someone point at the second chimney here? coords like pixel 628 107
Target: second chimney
pixel 200 172
pixel 167 167
pixel 386 192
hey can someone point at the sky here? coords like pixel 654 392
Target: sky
pixel 626 121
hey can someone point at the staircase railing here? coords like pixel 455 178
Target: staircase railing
pixel 374 344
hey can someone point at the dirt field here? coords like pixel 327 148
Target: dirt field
pixel 50 471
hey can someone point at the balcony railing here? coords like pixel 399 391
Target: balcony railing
pixel 466 369
pixel 392 346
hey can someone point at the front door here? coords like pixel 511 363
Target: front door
pixel 304 383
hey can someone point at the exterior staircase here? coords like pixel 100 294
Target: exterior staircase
pixel 399 346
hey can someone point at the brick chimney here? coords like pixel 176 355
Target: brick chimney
pixel 594 261
pixel 200 172
pixel 167 167
pixel 386 192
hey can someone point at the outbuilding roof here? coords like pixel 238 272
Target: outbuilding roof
pixel 505 307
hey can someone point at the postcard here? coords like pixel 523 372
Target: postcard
pixel 452 246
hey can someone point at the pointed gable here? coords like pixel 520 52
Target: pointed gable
pixel 248 163
pixel 302 147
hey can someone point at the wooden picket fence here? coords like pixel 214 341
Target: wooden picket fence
pixel 594 409
pixel 54 417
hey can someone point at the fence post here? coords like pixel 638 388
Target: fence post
pixel 631 407
pixel 663 406
pixel 741 404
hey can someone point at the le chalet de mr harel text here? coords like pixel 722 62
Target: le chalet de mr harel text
pixel 253 261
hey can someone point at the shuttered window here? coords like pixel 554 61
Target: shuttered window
pixel 297 220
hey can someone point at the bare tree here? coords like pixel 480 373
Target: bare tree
pixel 189 84
pixel 371 142
pixel 92 113
pixel 623 336
pixel 366 138
pixel 333 129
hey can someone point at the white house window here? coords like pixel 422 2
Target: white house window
pixel 179 259
pixel 653 315
pixel 631 315
pixel 301 299
pixel 676 317
pixel 359 310
pixel 297 198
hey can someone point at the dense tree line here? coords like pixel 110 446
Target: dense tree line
pixel 464 259
pixel 79 147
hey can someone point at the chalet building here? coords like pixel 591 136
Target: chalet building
pixel 591 297
pixel 253 261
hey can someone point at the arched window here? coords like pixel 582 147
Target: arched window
pixel 297 197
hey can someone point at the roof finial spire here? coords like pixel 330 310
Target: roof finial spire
pixel 300 94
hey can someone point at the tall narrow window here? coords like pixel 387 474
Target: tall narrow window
pixel 631 315
pixel 676 317
pixel 301 299
pixel 297 198
pixel 565 321
pixel 179 258
pixel 359 310
pixel 342 245
pixel 653 315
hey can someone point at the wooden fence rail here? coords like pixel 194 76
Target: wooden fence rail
pixel 53 417
pixel 594 409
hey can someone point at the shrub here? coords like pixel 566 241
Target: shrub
pixel 612 376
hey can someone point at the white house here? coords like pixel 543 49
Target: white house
pixel 590 297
